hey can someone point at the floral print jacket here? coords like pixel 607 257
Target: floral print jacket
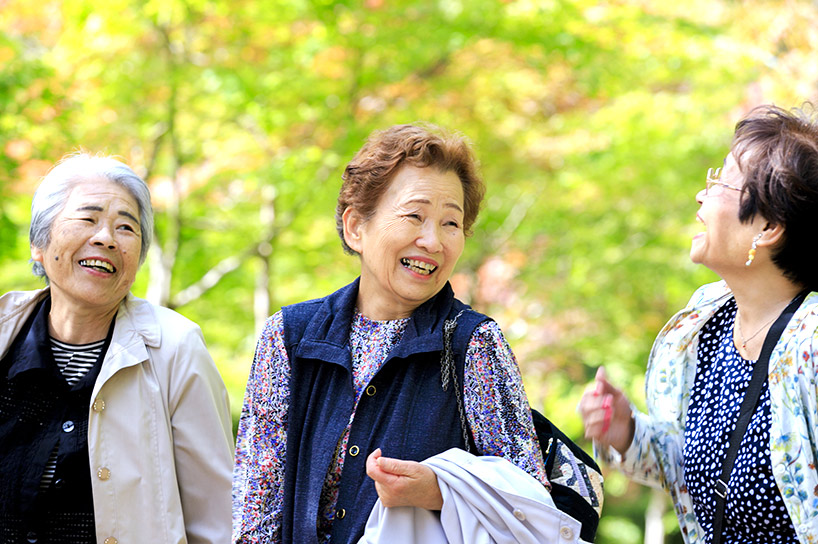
pixel 655 455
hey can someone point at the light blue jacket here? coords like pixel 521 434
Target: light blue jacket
pixel 656 454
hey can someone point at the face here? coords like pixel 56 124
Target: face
pixel 410 246
pixel 92 258
pixel 724 244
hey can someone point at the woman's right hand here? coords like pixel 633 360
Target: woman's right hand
pixel 606 414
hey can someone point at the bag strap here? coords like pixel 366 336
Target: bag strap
pixel 748 405
pixel 449 372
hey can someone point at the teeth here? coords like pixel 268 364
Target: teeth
pixel 420 267
pixel 96 263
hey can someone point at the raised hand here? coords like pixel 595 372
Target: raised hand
pixel 606 414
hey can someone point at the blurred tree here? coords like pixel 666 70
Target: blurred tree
pixel 594 121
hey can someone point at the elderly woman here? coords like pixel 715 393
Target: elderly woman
pixel 347 389
pixel 114 422
pixel 760 218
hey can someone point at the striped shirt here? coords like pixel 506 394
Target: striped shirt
pixel 74 362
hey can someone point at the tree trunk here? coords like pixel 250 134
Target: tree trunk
pixel 654 528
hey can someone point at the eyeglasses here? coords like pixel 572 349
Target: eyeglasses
pixel 713 179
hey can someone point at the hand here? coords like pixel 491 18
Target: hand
pixel 404 483
pixel 606 414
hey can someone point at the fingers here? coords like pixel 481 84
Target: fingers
pixel 386 470
pixel 597 413
pixel 597 406
pixel 398 467
pixel 601 383
pixel 372 468
pixel 403 483
pixel 601 375
pixel 607 409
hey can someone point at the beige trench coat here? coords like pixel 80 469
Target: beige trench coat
pixel 159 430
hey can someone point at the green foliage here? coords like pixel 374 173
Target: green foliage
pixel 594 123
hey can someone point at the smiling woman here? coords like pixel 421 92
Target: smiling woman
pixel 732 423
pixel 112 413
pixel 347 393
pixel 92 257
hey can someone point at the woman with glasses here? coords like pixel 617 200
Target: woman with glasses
pixel 738 470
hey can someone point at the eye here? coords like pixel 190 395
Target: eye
pixel 127 227
pixel 415 216
pixel 453 223
pixel 88 219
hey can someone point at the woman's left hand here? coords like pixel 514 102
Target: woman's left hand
pixel 403 483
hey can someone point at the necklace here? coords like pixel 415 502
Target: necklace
pixel 741 336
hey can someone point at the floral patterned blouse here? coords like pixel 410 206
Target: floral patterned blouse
pixel 494 399
pixel 655 456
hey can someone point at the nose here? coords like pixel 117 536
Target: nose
pixel 700 195
pixel 104 237
pixel 429 238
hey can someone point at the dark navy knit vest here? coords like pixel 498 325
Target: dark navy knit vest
pixel 404 410
pixel 38 412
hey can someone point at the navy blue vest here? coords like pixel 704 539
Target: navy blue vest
pixel 404 410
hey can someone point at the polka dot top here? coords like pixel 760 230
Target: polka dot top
pixel 754 512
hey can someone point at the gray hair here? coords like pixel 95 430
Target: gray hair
pixel 50 197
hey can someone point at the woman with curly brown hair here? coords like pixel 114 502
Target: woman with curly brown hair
pixel 347 392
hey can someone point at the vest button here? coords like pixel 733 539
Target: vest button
pixel 59 483
pixel 99 405
pixel 354 451
pixel 340 513
pixel 68 426
pixel 31 536
pixel 103 473
pixel 110 540
pixel 370 391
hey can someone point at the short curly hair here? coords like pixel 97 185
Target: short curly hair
pixel 777 152
pixel 369 173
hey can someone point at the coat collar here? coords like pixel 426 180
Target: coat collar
pixel 136 328
pixel 326 337
pixel 30 350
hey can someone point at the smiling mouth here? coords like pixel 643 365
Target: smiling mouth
pixel 96 264
pixel 418 267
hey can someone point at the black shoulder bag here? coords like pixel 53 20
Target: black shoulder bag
pixel 576 479
pixel 748 407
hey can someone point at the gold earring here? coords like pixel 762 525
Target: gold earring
pixel 752 253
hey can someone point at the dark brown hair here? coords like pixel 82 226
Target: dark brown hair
pixel 369 173
pixel 777 152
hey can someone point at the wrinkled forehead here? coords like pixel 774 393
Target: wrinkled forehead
pixel 100 191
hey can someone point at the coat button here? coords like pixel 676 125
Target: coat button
pixel 340 513
pixel 68 426
pixel 354 451
pixel 519 514
pixel 31 536
pixel 567 533
pixel 110 540
pixel 58 483
pixel 99 405
pixel 370 391
pixel 103 473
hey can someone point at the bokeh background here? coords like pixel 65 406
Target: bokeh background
pixel 595 122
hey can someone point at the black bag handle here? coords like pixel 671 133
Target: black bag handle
pixel 747 409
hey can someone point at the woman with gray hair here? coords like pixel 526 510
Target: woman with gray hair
pixel 114 422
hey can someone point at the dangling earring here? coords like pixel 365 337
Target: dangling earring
pixel 752 254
